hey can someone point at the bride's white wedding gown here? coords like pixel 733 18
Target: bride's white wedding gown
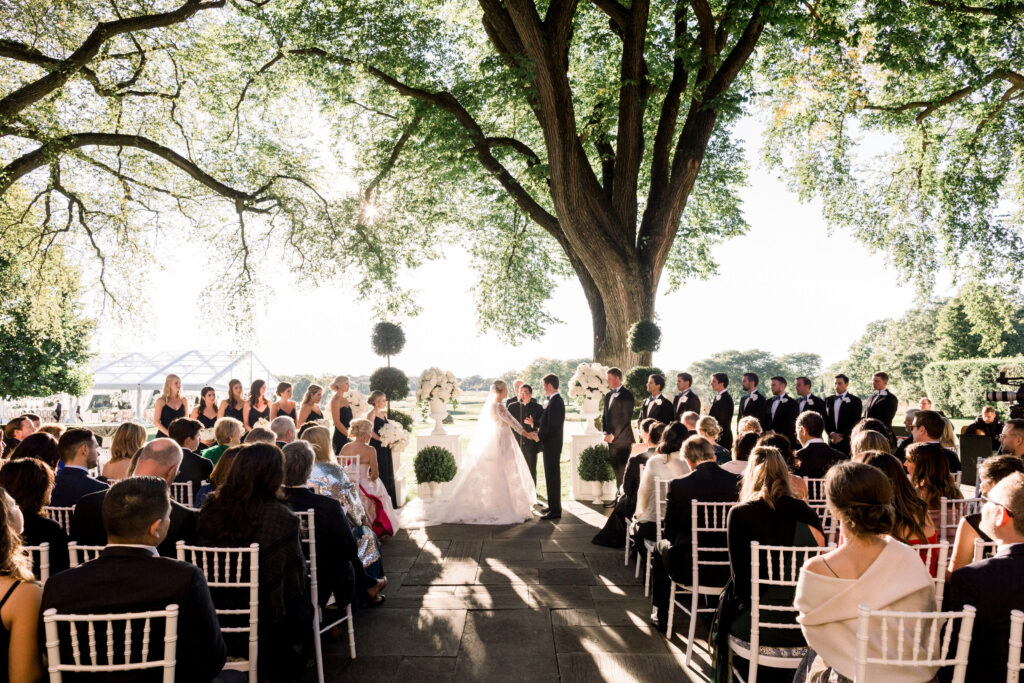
pixel 493 484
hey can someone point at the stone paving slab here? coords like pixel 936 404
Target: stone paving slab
pixel 623 668
pixel 624 639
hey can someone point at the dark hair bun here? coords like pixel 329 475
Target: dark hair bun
pixel 875 519
pixel 862 495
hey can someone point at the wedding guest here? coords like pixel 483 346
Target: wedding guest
pixel 874 425
pixel 341 413
pixel 284 430
pixel 646 445
pixel 219 474
pixel 815 456
pixel 616 421
pixel 309 411
pixel 128 576
pixel 708 428
pixel 382 511
pixel 769 513
pixel 844 411
pixel 741 453
pixel 1012 438
pixel 782 410
pixel 20 597
pixel 256 407
pixel 722 407
pixel 948 438
pixel 30 483
pixel 378 417
pixel 284 405
pixel 753 403
pixel 988 425
pixel 246 510
pixel 928 427
pixel 686 399
pixel 227 432
pixel 36 421
pixel 614 532
pixel 16 431
pixel 777 441
pixel 690 420
pixel 930 475
pixel 994 587
pixel 667 465
pixel 79 453
pixel 170 406
pixel 320 438
pixel 260 435
pixel 527 413
pixel 128 438
pixel 871 569
pixel 866 441
pixel 206 413
pixel 194 468
pixel 805 400
pixel 656 405
pixel 882 404
pixel 924 404
pixel 748 425
pixel 234 405
pixel 41 446
pixel 913 524
pixel 904 443
pixel 339 569
pixel 991 471
pixel 54 430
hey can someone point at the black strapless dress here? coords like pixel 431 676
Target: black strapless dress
pixel 169 415
pixel 315 416
pixel 345 418
pixel 293 414
pixel 208 422
pixel 257 415
pixel 385 463
pixel 235 413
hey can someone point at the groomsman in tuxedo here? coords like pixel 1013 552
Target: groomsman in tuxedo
pixel 685 399
pixel 527 412
pixel 656 405
pixel 722 408
pixel 805 400
pixel 844 411
pixel 782 410
pixel 753 403
pixel 617 422
pixel 882 404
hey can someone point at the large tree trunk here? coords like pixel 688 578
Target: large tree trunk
pixel 625 302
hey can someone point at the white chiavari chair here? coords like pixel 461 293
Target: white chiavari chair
pixel 61 515
pixel 660 493
pixel 1013 665
pixel 630 525
pixel 984 549
pixel 181 492
pixel 815 489
pixel 921 639
pixel 40 555
pixel 935 555
pixel 80 554
pixel 350 463
pixel 951 511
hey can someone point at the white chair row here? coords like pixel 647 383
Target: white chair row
pixel 61 515
pixel 952 510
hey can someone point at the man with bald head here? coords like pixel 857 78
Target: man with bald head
pixel 158 458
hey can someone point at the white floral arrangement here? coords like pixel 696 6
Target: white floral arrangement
pixel 589 381
pixel 262 422
pixel 207 434
pixel 393 436
pixel 437 383
pixel 357 401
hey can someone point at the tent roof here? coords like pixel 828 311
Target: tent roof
pixel 196 369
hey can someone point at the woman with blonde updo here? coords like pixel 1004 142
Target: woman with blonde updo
pixel 385 521
pixel 868 440
pixel 709 428
pixel 309 411
pixel 129 437
pixel 341 413
pixel 378 417
pixel 170 406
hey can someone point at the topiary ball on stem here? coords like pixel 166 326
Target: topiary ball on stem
pixel 387 340
pixel 434 464
pixel 636 381
pixel 391 381
pixel 595 465
pixel 644 336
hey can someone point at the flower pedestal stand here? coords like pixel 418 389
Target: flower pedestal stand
pixel 579 489
pixel 450 441
pixel 438 413
pixel 589 412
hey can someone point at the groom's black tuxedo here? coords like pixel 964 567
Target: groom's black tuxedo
pixel 659 408
pixel 685 400
pixel 617 420
pixel 551 433
pixel 520 411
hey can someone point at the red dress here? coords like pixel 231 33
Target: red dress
pixel 933 566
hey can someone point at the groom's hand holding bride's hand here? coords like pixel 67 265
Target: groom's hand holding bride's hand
pixel 532 436
pixel 528 421
pixel 608 438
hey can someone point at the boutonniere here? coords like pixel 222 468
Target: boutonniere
pixel 883 392
pixel 846 399
pixel 753 397
pixel 783 399
pixel 657 401
pixel 810 400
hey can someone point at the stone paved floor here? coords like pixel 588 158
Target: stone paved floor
pixel 533 602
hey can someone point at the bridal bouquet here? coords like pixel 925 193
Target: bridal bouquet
pixel 357 401
pixel 589 381
pixel 393 436
pixel 439 384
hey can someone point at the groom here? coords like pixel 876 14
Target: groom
pixel 550 436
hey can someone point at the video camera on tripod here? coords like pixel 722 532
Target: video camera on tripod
pixel 1016 410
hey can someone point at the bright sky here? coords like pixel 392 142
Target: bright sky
pixel 788 261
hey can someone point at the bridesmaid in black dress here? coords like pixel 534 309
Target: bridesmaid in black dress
pixel 284 405
pixel 257 407
pixel 233 405
pixel 170 406
pixel 341 412
pixel 385 463
pixel 206 413
pixel 310 411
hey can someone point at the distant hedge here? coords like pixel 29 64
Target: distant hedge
pixel 958 387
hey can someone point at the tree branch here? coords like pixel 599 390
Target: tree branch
pixel 614 9
pixel 532 159
pixel 629 151
pixel 928 107
pixel 665 132
pixel 970 9
pixel 396 151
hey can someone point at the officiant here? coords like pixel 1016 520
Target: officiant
pixel 527 411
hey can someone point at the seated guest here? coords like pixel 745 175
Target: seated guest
pixel 770 514
pixel 874 425
pixel 339 569
pixel 129 576
pixel 615 530
pixel 988 425
pixel 79 452
pixel 385 519
pixel 667 465
pixel 54 430
pixel 30 483
pixel 41 446
pixel 16 431
pixel 747 425
pixel 904 443
pixel 741 453
pixel 227 432
pixel 709 428
pixel 990 472
pixel 994 586
pixel 913 524
pixel 948 438
pixel 928 427
pixel 128 439
pixel 929 473
pixel 707 482
pixel 865 441
pixel 689 420
pixel 194 468
pixel 219 474
pixel 158 458
pixel 645 446
pixel 246 510
pixel 19 602
pixel 1012 438
pixel 284 430
pixel 260 435
pixel 327 475
pixel 777 441
pixel 870 568
pixel 815 456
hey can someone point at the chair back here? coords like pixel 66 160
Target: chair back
pixel 936 557
pixel 124 642
pixel 951 511
pixel 40 555
pixel 660 494
pixel 775 566
pixel 958 477
pixel 80 554
pixel 1013 666
pixel 984 549
pixel 350 463
pixel 912 639
pixel 829 523
pixel 705 520
pixel 61 515
pixel 307 537
pixel 231 568
pixel 815 489
pixel 181 492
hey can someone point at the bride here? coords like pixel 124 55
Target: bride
pixel 493 485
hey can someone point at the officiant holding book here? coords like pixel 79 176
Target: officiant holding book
pixel 527 413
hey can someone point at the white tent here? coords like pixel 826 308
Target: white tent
pixel 145 372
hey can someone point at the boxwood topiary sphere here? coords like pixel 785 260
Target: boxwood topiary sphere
pixel 594 464
pixel 387 339
pixel 434 464
pixel 644 336
pixel 404 419
pixel 391 381
pixel 636 381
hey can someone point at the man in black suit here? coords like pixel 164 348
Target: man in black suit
pixel 158 458
pixel 844 411
pixel 16 431
pixel 722 408
pixel 752 403
pixel 338 567
pixel 80 452
pixel 805 400
pixel 994 587
pixel 782 410
pixel 617 423
pixel 527 412
pixel 927 427
pixel 194 468
pixel 706 483
pixel 685 399
pixel 550 435
pixel 129 576
pixel 815 456
pixel 882 404
pixel 656 405
pixel 987 424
